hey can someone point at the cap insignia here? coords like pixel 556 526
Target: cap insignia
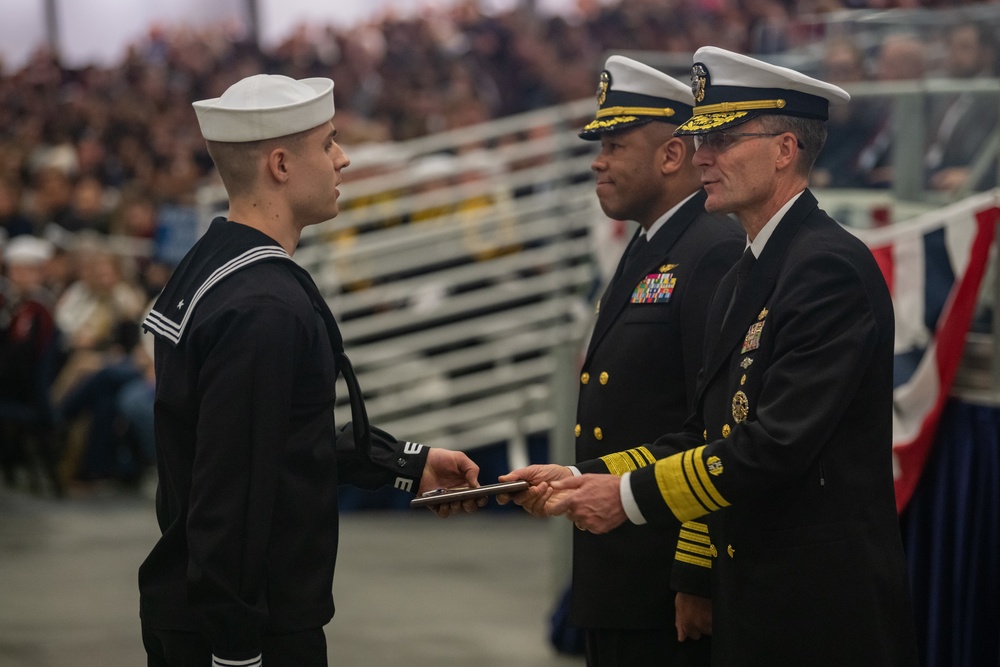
pixel 603 86
pixel 699 79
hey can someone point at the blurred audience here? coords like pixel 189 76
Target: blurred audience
pixel 852 127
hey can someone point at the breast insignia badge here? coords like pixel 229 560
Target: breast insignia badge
pixel 752 340
pixel 741 407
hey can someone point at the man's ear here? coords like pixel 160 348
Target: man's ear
pixel 674 153
pixel 788 151
pixel 277 164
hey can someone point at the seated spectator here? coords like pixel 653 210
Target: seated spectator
pixel 88 208
pixel 27 326
pixel 961 124
pixel 851 127
pixel 902 57
pixel 116 399
pixel 91 310
pixel 12 221
pixel 50 198
pixel 27 342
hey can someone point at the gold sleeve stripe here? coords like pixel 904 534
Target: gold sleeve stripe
pixel 640 462
pixel 690 464
pixel 695 537
pixel 650 459
pixel 694 549
pixel 696 525
pixel 620 463
pixel 617 463
pixel 675 489
pixel 693 560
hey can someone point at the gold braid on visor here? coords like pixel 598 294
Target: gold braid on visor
pixel 635 111
pixel 749 105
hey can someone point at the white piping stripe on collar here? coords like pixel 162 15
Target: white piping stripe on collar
pixel 163 325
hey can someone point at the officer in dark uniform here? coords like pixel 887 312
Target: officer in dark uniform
pixel 638 378
pixel 247 355
pixel 788 453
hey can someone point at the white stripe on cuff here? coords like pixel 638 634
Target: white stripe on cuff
pixel 252 662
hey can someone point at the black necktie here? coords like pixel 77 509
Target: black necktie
pixel 742 275
pixel 632 254
pixel 743 270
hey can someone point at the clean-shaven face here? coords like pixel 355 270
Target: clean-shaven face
pixel 319 160
pixel 628 177
pixel 742 175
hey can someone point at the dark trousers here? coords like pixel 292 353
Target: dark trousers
pixel 174 648
pixel 645 648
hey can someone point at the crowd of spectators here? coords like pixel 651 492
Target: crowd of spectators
pixel 95 152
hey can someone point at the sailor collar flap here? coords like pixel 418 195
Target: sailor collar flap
pixel 225 248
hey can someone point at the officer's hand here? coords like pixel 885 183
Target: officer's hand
pixel 694 616
pixel 592 502
pixel 533 499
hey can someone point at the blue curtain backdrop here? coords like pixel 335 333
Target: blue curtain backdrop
pixel 951 531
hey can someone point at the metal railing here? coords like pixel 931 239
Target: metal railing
pixel 462 265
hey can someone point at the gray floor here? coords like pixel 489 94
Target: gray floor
pixel 411 589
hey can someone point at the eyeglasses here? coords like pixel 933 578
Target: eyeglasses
pixel 722 141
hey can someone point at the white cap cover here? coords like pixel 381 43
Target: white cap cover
pixel 265 106
pixel 730 89
pixel 631 93
pixel 27 250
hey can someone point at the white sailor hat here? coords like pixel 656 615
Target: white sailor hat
pixel 730 89
pixel 631 93
pixel 27 250
pixel 265 106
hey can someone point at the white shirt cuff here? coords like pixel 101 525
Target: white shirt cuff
pixel 628 501
pixel 576 471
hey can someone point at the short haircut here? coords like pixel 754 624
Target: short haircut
pixel 236 162
pixel 810 132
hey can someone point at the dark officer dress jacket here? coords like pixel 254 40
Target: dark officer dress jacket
pixel 637 383
pixel 791 465
pixel 248 455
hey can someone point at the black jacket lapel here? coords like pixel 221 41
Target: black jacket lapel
pixel 763 277
pixel 618 294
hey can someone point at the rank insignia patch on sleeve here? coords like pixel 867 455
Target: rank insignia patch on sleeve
pixel 714 465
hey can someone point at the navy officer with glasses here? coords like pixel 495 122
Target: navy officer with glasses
pixel 787 457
